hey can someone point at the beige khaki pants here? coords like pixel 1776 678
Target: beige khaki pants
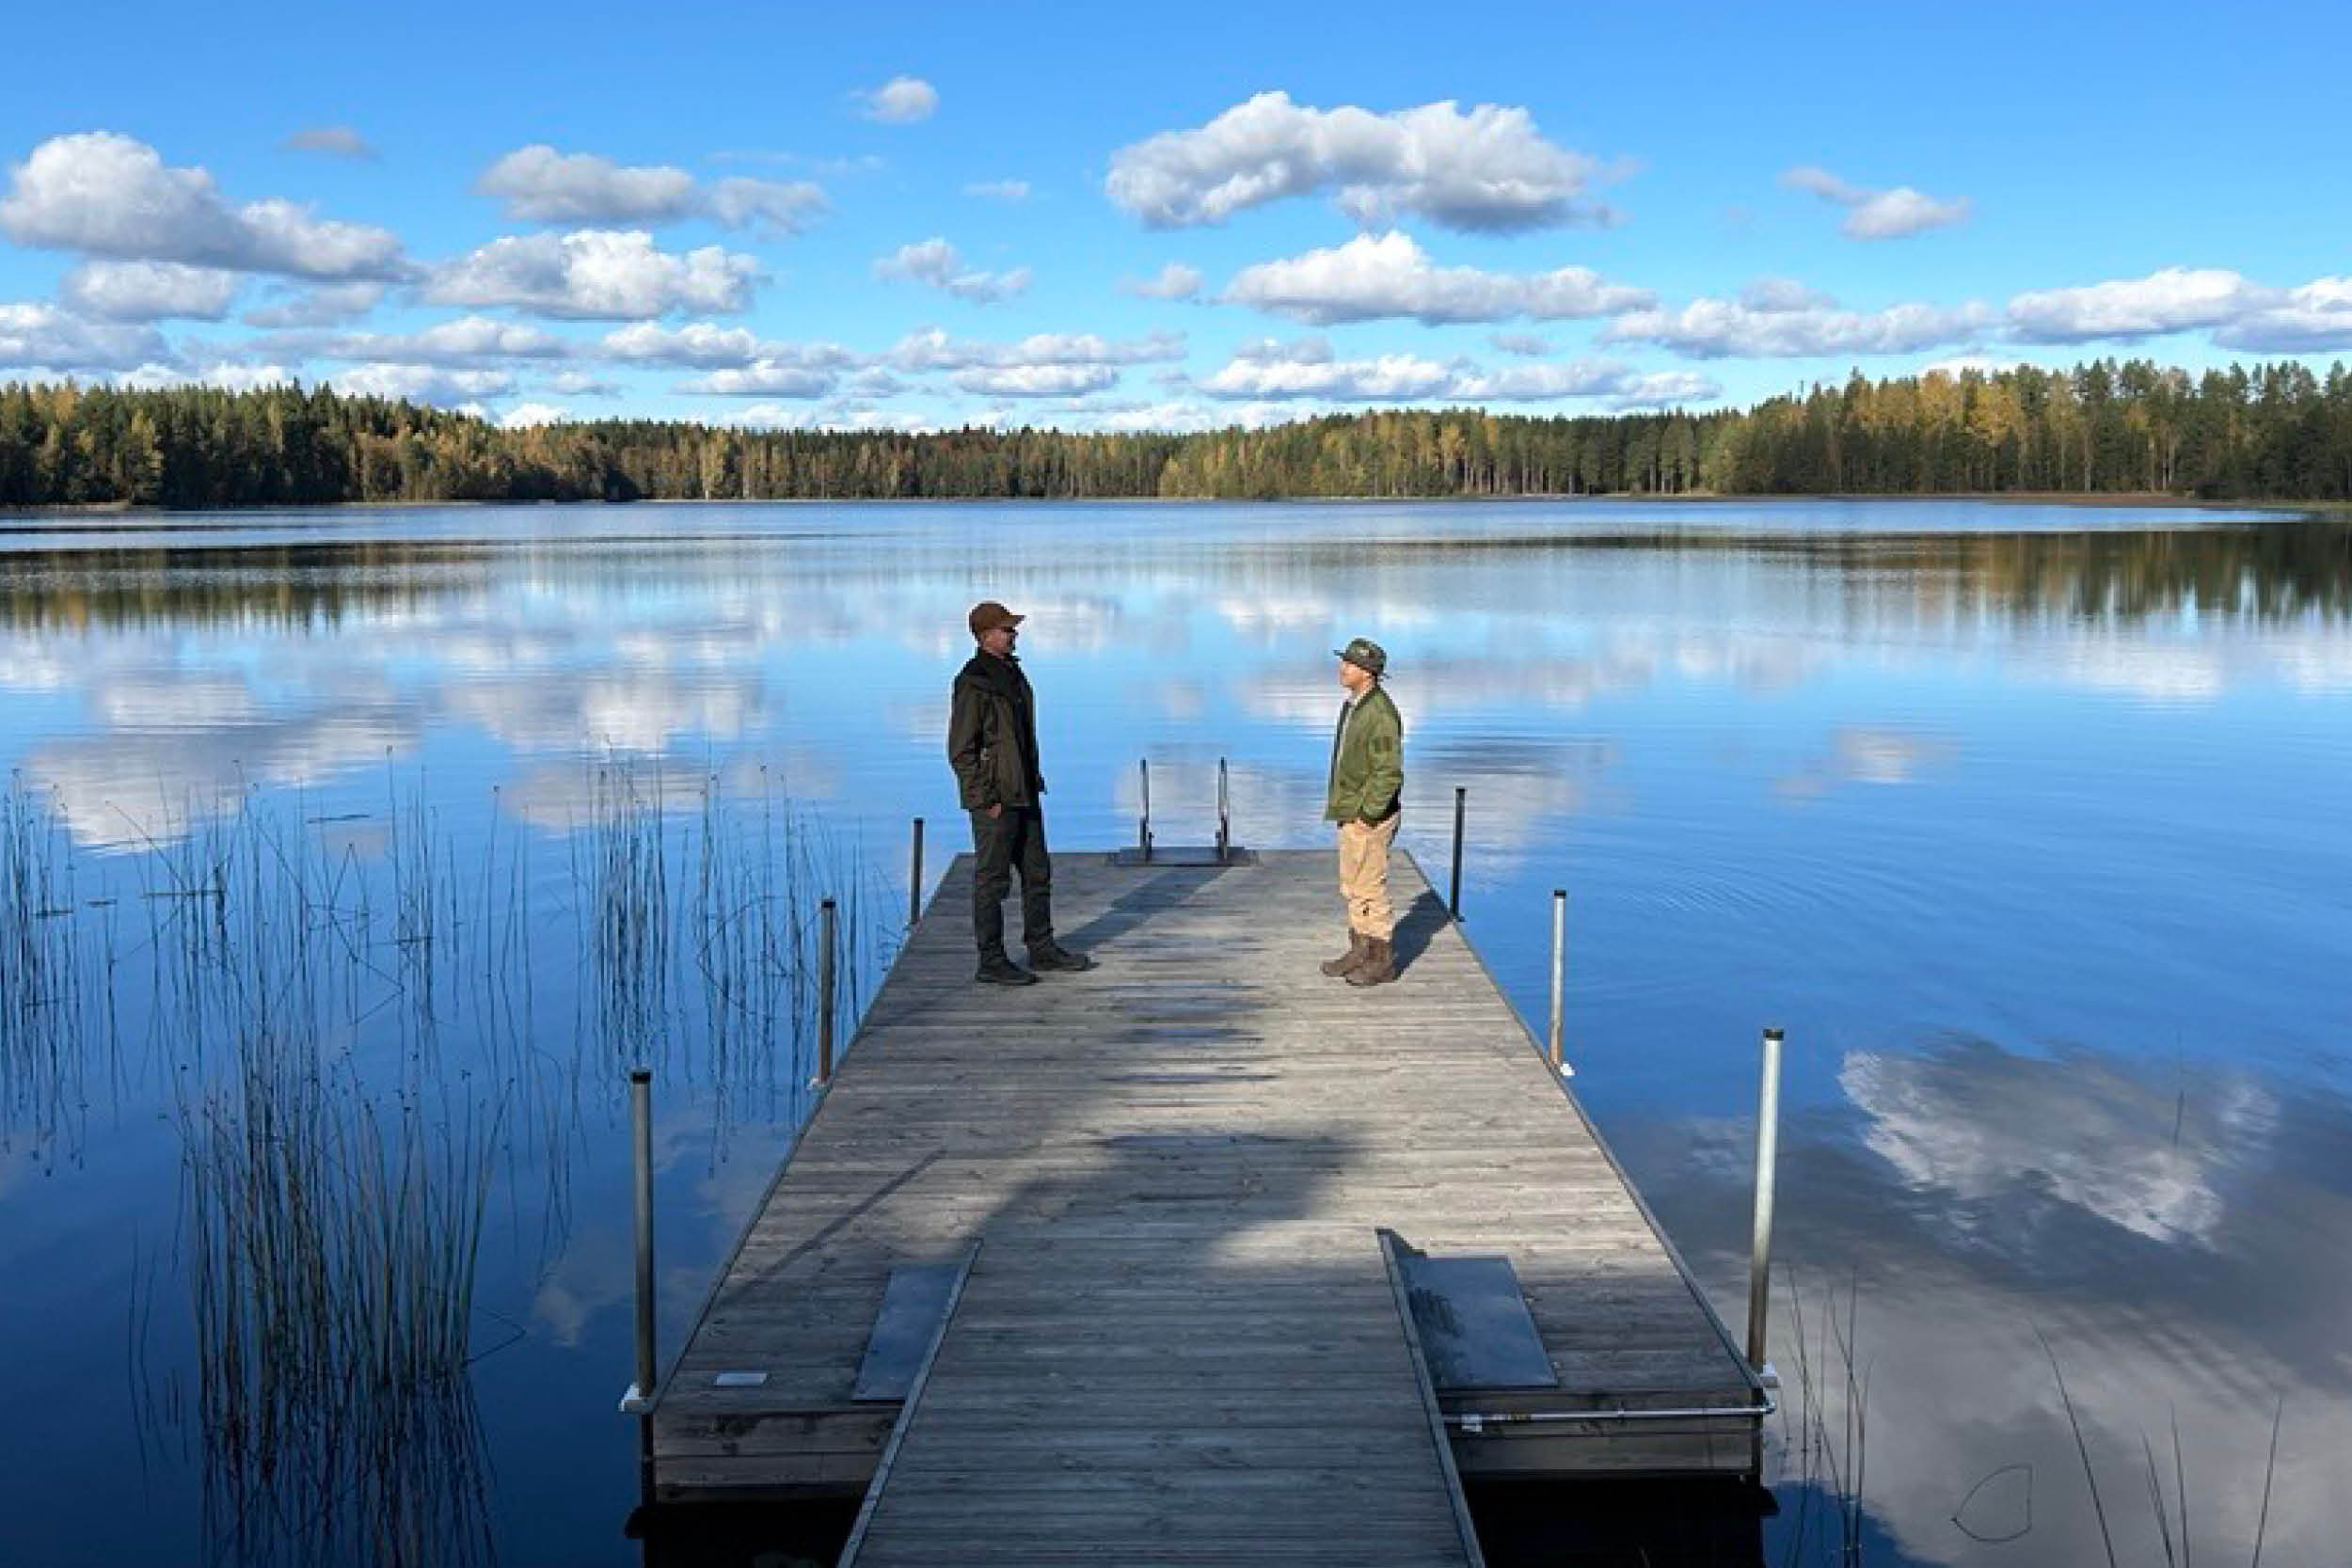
pixel 1364 876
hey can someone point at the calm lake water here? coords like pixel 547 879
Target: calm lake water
pixel 353 858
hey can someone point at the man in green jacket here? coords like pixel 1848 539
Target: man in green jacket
pixel 1367 781
pixel 992 744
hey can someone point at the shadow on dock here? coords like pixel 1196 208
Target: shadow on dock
pixel 1152 894
pixel 1420 920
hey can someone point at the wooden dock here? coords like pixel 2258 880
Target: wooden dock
pixel 1173 1211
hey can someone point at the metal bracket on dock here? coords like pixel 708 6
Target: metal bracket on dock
pixel 914 1398
pixel 914 1307
pixel 1475 1330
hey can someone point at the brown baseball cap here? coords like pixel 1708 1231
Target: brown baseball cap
pixel 988 615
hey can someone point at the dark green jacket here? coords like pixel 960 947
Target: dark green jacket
pixel 1367 761
pixel 992 735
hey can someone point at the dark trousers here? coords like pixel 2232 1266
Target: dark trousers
pixel 1014 839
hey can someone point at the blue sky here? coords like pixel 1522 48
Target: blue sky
pixel 1076 217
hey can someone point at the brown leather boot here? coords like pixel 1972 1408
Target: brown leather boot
pixel 1379 965
pixel 1357 943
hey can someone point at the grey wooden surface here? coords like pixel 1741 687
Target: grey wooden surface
pixel 1179 1332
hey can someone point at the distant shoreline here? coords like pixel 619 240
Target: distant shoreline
pixel 125 515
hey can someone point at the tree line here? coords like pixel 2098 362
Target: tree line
pixel 2272 431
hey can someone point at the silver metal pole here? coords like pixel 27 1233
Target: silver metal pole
pixel 1454 896
pixel 914 879
pixel 1767 1162
pixel 1559 978
pixel 1143 828
pixel 824 992
pixel 640 1131
pixel 1224 814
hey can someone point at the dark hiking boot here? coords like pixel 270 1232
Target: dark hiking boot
pixel 1379 965
pixel 997 969
pixel 1357 943
pixel 1053 955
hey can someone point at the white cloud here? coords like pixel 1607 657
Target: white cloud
pixel 1172 281
pixel 615 274
pixel 233 377
pixel 934 261
pixel 901 101
pixel 699 345
pixel 845 415
pixel 1578 378
pixel 1162 417
pixel 244 378
pixel 1314 349
pixel 338 141
pixel 1037 381
pixel 1177 415
pixel 34 335
pixel 1893 215
pixel 866 162
pixel 1376 277
pixel 1882 214
pixel 1584 378
pixel 107 195
pixel 1523 343
pixel 1982 364
pixel 538 184
pixel 1307 368
pixel 769 207
pixel 2173 300
pixel 872 382
pixel 580 384
pixel 2313 319
pixel 767 378
pixel 1783 293
pixel 149 291
pixel 530 416
pixel 466 340
pixel 432 384
pixel 1663 389
pixel 1010 191
pixel 740 362
pixel 933 350
pixel 1486 169
pixel 1717 328
pixel 328 305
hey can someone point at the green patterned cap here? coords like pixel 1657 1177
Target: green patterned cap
pixel 1365 655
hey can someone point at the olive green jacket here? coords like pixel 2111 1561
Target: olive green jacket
pixel 1367 761
pixel 991 735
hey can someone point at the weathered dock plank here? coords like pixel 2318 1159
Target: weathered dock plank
pixel 1181 1329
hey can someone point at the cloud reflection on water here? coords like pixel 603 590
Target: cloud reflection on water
pixel 2175 1230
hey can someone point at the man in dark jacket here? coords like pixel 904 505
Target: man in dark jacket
pixel 992 744
pixel 1366 789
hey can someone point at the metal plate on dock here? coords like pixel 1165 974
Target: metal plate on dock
pixel 913 1303
pixel 738 1380
pixel 1475 1329
pixel 1184 854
